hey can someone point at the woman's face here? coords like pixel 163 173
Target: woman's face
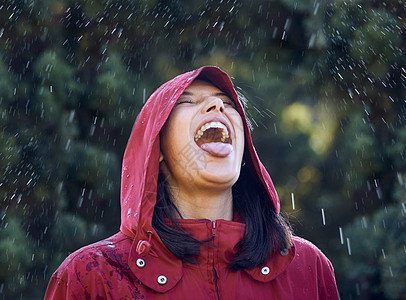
pixel 202 142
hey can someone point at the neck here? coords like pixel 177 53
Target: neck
pixel 204 204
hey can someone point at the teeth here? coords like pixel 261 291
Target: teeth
pixel 212 125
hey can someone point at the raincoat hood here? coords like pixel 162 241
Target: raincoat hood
pixel 141 158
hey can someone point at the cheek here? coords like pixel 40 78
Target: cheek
pixel 239 126
pixel 173 134
pixel 166 136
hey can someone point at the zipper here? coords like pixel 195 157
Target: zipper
pixel 215 281
pixel 213 232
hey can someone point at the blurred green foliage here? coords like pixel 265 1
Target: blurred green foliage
pixel 378 245
pixel 325 82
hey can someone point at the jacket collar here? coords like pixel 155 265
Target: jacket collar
pixel 155 263
pixel 158 263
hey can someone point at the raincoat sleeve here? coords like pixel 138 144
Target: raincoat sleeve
pixel 327 284
pixel 72 280
pixel 65 287
pixel 314 270
pixel 73 283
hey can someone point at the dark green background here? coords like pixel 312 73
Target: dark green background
pixel 326 87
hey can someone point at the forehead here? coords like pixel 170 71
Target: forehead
pixel 199 85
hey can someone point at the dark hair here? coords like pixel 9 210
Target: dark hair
pixel 266 231
pixel 182 244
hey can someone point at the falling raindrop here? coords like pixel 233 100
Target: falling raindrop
pixel 323 217
pixel 350 93
pixel 390 271
pixel 67 146
pixel 71 116
pixel 288 22
pixel 275 31
pixel 59 188
pixel 80 202
pixel 379 192
pixel 316 9
pixel 400 178
pixel 357 289
pixel 92 129
pixel 348 246
pixel 311 41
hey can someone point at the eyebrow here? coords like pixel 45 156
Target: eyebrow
pixel 216 94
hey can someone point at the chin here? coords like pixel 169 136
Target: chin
pixel 220 176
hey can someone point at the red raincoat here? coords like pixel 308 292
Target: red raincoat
pixel 135 264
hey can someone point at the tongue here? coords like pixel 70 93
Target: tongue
pixel 217 149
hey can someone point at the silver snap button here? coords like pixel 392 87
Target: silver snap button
pixel 265 271
pixel 140 263
pixel 284 252
pixel 162 280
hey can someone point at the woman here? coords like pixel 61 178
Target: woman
pixel 199 212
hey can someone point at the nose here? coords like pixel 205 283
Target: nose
pixel 214 104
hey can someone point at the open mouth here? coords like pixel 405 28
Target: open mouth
pixel 212 132
pixel 214 138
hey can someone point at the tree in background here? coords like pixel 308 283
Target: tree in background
pixel 377 244
pixel 325 83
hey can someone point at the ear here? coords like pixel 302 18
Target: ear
pixel 161 157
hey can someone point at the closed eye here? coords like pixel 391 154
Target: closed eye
pixel 229 103
pixel 184 101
